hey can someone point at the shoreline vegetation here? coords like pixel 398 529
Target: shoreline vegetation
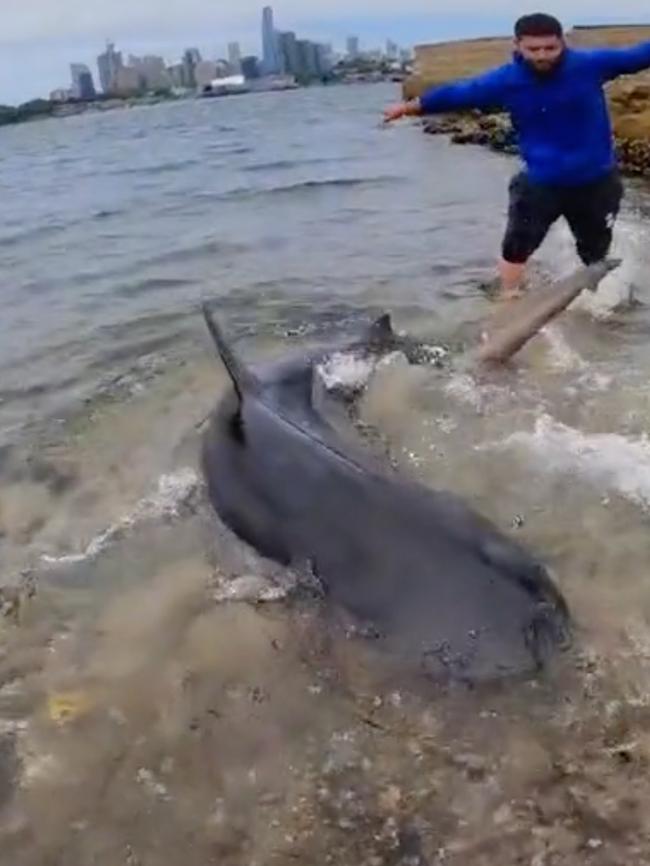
pixel 41 109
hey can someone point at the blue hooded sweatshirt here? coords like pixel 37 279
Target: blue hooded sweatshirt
pixel 561 119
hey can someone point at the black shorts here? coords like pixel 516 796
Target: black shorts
pixel 590 210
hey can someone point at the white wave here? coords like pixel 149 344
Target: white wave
pixel 608 460
pixel 481 396
pixel 350 371
pixel 173 492
pixel 346 370
pixel 616 289
pixel 251 588
pixel 465 389
pixel 562 355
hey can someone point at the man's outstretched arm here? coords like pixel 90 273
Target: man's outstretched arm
pixel 484 91
pixel 612 62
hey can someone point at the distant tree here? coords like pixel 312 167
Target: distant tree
pixel 8 114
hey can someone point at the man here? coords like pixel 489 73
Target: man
pixel 554 95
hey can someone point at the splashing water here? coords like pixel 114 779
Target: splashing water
pixel 346 371
pixel 608 460
pixel 617 289
pixel 173 493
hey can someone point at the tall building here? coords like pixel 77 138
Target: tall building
pixel 109 64
pixel 234 56
pixel 176 74
pixel 271 62
pixel 250 67
pixel 152 72
pixel 290 55
pixel 392 50
pixel 309 59
pixel 127 81
pixel 83 86
pixel 205 73
pixel 325 59
pixel 353 47
pixel 191 58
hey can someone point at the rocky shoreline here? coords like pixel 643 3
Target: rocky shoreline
pixel 629 105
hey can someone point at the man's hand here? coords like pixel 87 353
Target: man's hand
pixel 402 109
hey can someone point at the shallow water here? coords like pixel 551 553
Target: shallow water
pixel 203 730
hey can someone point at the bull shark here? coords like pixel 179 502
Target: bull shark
pixel 438 586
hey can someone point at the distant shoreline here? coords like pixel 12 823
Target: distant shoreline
pixel 42 109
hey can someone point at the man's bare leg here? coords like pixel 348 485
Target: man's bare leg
pixel 511 275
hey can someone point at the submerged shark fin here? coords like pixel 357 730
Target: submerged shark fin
pixel 242 379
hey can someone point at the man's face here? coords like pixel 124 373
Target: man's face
pixel 543 53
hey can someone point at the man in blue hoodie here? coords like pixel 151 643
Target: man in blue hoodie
pixel 554 95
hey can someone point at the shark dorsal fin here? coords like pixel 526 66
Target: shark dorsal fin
pixel 381 330
pixel 243 381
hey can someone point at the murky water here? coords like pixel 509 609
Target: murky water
pixel 147 716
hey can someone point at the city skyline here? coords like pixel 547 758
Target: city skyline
pixel 119 60
pixel 284 54
pixel 40 39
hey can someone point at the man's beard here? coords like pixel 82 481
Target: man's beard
pixel 547 68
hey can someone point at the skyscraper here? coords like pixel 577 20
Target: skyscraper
pixel 83 86
pixel 152 72
pixel 353 47
pixel 177 76
pixel 325 62
pixel 271 62
pixel 250 67
pixel 127 81
pixel 191 57
pixel 309 58
pixel 109 64
pixel 291 61
pixel 205 73
pixel 392 50
pixel 234 56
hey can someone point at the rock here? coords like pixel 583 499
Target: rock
pixel 629 102
pixel 503 815
pixel 153 787
pixel 390 799
pixel 474 765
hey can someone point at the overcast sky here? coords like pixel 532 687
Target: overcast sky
pixel 39 38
